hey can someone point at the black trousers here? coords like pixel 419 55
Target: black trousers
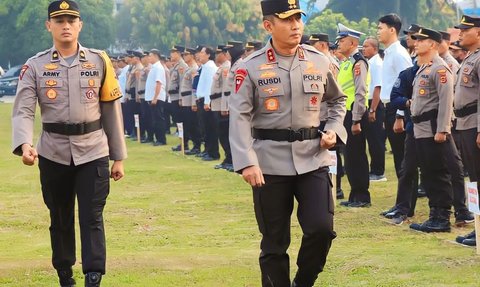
pixel 210 128
pixel 90 183
pixel 375 134
pixel 175 112
pixel 223 123
pixel 273 205
pixel 190 127
pixel 146 128
pixel 127 124
pixel 129 118
pixel 436 178
pixel 471 153
pixel 356 161
pixel 157 113
pixel 396 140
pixel 408 178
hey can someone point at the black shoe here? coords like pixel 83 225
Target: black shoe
pixel 210 158
pixel 421 191
pixel 470 242
pixel 460 239
pixel 228 167
pixel 463 218
pixel 146 141
pixel 340 194
pixel 65 277
pixel 177 148
pixel 384 213
pixel 219 166
pixel 159 143
pixel 202 154
pixel 393 214
pixel 398 219
pixel 134 138
pixel 193 151
pixel 345 203
pixel 356 204
pixel 93 279
pixel 433 224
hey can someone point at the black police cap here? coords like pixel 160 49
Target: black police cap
pixel 281 8
pixel 318 37
pixel 468 22
pixel 445 35
pixel 137 54
pixel 425 33
pixel 414 28
pixel 177 48
pixel 256 45
pixel 63 7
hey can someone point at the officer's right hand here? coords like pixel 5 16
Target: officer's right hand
pixel 154 102
pixel 194 108
pixel 206 107
pixel 29 154
pixel 253 175
pixel 398 126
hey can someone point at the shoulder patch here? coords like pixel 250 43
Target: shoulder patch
pixel 22 71
pixel 240 75
pixel 397 83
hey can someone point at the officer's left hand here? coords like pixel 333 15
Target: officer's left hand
pixel 478 140
pixel 206 107
pixel 117 170
pixel 329 139
pixel 356 129
pixel 224 113
pixel 371 117
pixel 440 137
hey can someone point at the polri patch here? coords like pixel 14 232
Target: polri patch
pixel 240 76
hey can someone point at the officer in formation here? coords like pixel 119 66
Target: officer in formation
pixel 277 145
pixel 354 79
pixel 82 129
pixel 176 75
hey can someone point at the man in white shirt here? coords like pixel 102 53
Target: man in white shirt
pixel 204 89
pixel 375 132
pixel 155 96
pixel 396 60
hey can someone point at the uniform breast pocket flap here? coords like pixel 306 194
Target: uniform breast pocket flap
pixel 90 89
pixel 315 86
pixel 51 90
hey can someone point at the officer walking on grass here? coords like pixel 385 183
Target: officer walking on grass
pixel 82 130
pixel 277 147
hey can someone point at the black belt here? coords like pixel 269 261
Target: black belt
pixel 173 92
pixel 426 116
pixel 141 92
pixel 466 111
pixel 184 94
pixel 226 94
pixel 215 96
pixel 72 129
pixel 286 135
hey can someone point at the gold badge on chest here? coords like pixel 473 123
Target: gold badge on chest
pixel 51 94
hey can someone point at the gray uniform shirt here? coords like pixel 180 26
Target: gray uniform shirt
pixel 433 90
pixel 452 64
pixel 176 75
pixel 467 90
pixel 67 94
pixel 334 68
pixel 186 86
pixel 219 80
pixel 269 94
pixel 228 86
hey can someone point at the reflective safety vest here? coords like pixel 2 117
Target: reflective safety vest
pixel 347 82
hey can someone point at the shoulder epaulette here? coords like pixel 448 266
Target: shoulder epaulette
pixel 359 57
pixel 96 51
pixel 255 54
pixel 311 49
pixel 39 54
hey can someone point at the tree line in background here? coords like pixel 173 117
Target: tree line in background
pixel 162 23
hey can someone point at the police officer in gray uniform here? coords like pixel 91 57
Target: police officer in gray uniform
pixel 81 115
pixel 277 147
pixel 431 109
pixel 176 76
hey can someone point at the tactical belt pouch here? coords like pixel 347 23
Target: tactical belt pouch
pixel 427 116
pixel 173 92
pixel 184 94
pixel 215 96
pixel 286 134
pixel 72 129
pixel 466 111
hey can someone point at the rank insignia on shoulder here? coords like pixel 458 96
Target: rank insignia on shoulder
pixel 51 94
pixel 50 66
pixel 88 65
pixel 271 55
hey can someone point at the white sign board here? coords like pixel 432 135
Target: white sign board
pixel 333 162
pixel 180 130
pixel 472 193
pixel 137 120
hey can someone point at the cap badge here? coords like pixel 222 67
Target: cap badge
pixel 292 4
pixel 64 5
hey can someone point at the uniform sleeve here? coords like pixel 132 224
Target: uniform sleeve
pixel 241 112
pixel 112 123
pixel 399 95
pixel 360 71
pixel 443 80
pixel 23 114
pixel 336 103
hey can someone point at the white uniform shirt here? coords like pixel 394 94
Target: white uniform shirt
pixel 204 87
pixel 375 65
pixel 396 60
pixel 122 80
pixel 157 74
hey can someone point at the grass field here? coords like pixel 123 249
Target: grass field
pixel 175 221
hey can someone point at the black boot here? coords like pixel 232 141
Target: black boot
pixel 92 279
pixel 439 221
pixel 65 278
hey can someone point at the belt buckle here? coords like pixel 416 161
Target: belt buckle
pixel 80 129
pixel 296 135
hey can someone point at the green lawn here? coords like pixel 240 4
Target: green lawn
pixel 175 221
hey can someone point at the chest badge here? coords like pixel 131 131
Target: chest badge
pixel 270 91
pixel 50 66
pixel 51 94
pixel 465 80
pixel 90 94
pixel 314 87
pixel 91 82
pixel 89 66
pixel 422 92
pixel 51 83
pixel 272 104
pixel 313 100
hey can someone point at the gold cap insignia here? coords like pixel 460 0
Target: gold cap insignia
pixel 292 4
pixel 50 66
pixel 64 5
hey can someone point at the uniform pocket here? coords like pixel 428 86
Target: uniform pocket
pixel 52 91
pixel 90 90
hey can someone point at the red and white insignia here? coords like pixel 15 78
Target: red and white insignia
pixel 314 87
pixel 313 100
pixel 271 56
pixel 90 94
pixel 240 76
pixel 22 71
pixel 465 79
pixel 301 54
pixel 443 76
pixel 357 70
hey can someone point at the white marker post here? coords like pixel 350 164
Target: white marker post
pixel 137 125
pixel 180 135
pixel 473 206
pixel 333 174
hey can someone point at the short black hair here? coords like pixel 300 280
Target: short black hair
pixel 210 52
pixel 392 20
